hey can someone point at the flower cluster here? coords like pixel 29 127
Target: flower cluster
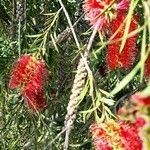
pixel 113 135
pixel 109 14
pixel 29 74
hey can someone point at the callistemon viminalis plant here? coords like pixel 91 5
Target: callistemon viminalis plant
pixel 119 135
pixel 29 75
pixel 94 8
pixel 125 58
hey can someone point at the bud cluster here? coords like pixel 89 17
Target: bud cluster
pixel 19 12
pixel 78 85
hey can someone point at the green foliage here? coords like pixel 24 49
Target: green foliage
pixel 40 32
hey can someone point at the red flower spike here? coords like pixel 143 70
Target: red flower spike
pixel 141 99
pixel 129 51
pixel 124 59
pixel 121 134
pixel 18 71
pixel 30 74
pixel 94 8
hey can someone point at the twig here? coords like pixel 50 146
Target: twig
pixel 27 145
pixel 58 135
pixel 70 24
pixel 64 34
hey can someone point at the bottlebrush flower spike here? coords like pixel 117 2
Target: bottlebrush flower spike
pixel 126 58
pixel 105 135
pixel 121 135
pixel 30 74
pixel 18 71
pixel 94 8
pixel 141 99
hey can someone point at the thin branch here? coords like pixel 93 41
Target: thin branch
pixel 70 24
pixel 64 34
pixel 27 145
pixel 58 135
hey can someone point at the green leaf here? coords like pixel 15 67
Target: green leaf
pixel 126 80
pixel 89 110
pixel 128 22
pixel 143 52
pixel 107 101
pixel 34 36
pixel 54 43
pixel 109 111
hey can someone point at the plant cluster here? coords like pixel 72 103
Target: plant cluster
pixel 75 75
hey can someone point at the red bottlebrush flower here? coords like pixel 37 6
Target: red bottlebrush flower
pixel 30 74
pixel 121 135
pixel 141 99
pixel 147 67
pixel 105 136
pixel 94 8
pixel 18 71
pixel 124 59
